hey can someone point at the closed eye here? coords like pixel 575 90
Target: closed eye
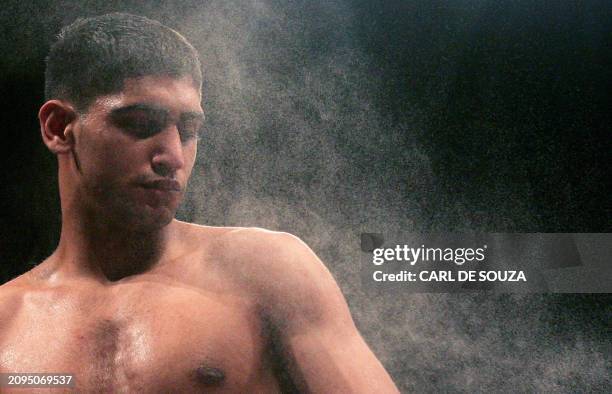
pixel 141 128
pixel 191 126
pixel 143 121
pixel 139 122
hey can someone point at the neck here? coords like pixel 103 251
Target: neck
pixel 107 251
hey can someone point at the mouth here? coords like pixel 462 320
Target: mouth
pixel 166 185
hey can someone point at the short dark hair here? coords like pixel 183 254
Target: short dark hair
pixel 94 56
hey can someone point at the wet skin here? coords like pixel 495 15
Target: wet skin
pixel 181 327
pixel 133 300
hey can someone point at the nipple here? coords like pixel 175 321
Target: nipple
pixel 210 375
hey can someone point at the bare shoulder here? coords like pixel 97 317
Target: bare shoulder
pixel 283 272
pixel 270 255
pixel 11 297
pixel 258 252
pixel 15 286
pixel 275 268
pixel 13 291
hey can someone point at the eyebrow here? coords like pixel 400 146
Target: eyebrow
pixel 155 109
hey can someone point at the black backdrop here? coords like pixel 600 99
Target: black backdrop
pixel 331 118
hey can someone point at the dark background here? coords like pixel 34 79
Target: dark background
pixel 330 118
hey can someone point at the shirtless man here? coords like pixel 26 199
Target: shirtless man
pixel 133 300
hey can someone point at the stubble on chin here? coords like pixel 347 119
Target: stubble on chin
pixel 119 208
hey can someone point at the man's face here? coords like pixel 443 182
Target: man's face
pixel 134 150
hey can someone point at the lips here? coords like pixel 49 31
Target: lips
pixel 167 185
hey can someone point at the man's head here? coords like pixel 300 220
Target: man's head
pixel 122 114
pixel 94 56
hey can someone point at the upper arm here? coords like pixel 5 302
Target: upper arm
pixel 319 340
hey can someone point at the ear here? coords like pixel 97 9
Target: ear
pixel 57 125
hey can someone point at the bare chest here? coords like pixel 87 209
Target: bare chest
pixel 146 338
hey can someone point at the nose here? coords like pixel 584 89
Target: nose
pixel 168 153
